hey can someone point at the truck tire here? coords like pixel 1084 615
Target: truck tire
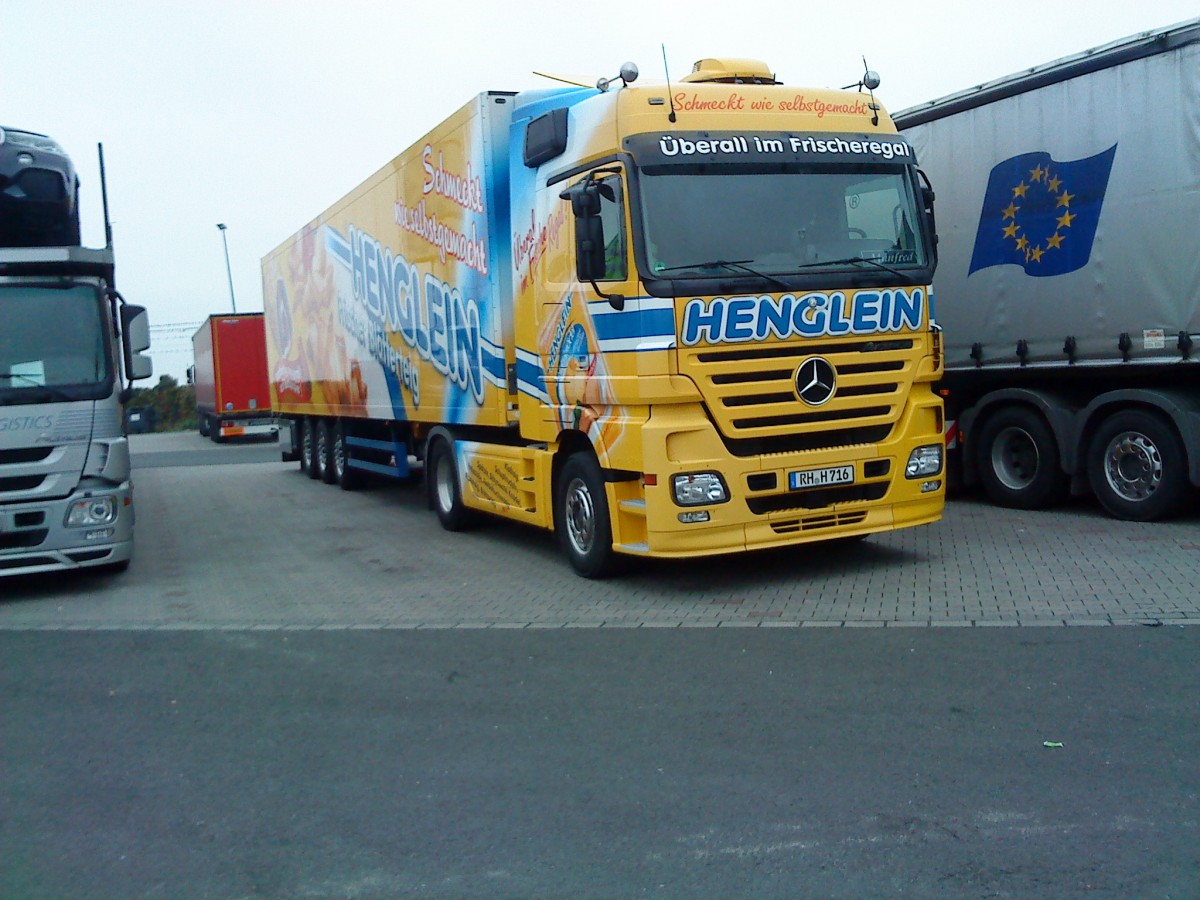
pixel 1018 460
pixel 1137 466
pixel 346 477
pixel 202 427
pixel 321 441
pixel 308 448
pixel 306 444
pixel 444 494
pixel 581 517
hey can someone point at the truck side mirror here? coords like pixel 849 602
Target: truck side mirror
pixel 589 248
pixel 589 230
pixel 589 234
pixel 927 197
pixel 135 338
pixel 135 326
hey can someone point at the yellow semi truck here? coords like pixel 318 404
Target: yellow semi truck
pixel 663 321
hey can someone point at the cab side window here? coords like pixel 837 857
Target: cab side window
pixel 612 215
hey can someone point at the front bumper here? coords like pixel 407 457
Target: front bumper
pixel 34 539
pixel 762 511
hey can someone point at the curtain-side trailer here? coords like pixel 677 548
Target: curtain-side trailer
pixel 661 321
pixel 1069 281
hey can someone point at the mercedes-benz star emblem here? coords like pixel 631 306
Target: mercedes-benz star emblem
pixel 816 381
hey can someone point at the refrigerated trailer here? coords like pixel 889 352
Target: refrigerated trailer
pixel 1068 286
pixel 229 374
pixel 663 321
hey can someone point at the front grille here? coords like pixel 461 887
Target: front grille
pixel 751 396
pixel 816 523
pixel 82 556
pixel 20 483
pixel 28 562
pixel 15 540
pixel 24 455
pixel 817 499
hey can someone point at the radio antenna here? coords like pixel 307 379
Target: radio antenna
pixel 670 96
pixel 104 197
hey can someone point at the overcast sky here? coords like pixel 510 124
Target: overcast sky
pixel 260 114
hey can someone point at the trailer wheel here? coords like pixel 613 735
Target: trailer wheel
pixel 344 475
pixel 202 427
pixel 328 436
pixel 214 430
pixel 444 494
pixel 581 517
pixel 311 448
pixel 306 445
pixel 1018 460
pixel 321 450
pixel 1137 466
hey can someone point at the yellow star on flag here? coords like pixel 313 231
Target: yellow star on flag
pixel 1011 212
pixel 1055 240
pixel 1064 221
pixel 1064 199
pixel 1038 173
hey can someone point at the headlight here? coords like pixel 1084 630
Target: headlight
pixel 698 488
pixel 924 462
pixel 91 512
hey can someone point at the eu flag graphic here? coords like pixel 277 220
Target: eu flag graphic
pixel 1041 214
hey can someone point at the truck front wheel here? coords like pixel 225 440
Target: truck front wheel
pixel 1137 466
pixel 581 517
pixel 1018 460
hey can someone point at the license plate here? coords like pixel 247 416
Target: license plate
pixel 818 478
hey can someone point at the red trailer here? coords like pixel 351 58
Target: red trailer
pixel 230 376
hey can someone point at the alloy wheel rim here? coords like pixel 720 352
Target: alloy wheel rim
pixel 580 516
pixel 1133 466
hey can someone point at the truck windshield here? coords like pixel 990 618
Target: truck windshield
pixel 779 221
pixel 52 344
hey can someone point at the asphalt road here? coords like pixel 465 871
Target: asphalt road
pixel 296 692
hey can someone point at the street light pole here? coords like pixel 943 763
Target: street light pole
pixel 228 270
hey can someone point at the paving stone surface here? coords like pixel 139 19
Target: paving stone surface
pixel 256 545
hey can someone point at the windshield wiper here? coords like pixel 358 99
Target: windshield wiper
pixel 735 264
pixel 13 376
pixel 853 259
pixel 31 385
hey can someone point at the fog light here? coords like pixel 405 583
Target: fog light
pixel 698 488
pixel 698 515
pixel 99 534
pixel 91 512
pixel 930 486
pixel 924 461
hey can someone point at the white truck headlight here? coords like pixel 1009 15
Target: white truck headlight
pixel 698 488
pixel 91 512
pixel 924 461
